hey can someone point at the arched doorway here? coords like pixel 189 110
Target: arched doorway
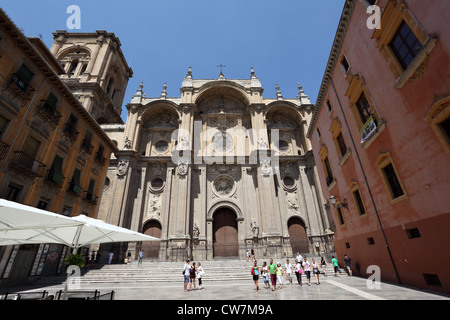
pixel 297 233
pixel 151 248
pixel 225 233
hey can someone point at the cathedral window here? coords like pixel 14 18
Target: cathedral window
pixel 72 68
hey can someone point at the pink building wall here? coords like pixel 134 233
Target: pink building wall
pixel 420 159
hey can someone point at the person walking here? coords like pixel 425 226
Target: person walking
pixel 300 259
pixel 111 255
pixel 186 271
pixel 298 271
pixel 248 255
pixel 253 254
pixel 280 275
pixel 323 263
pixel 265 274
pixel 97 258
pixel 141 255
pixel 335 263
pixel 255 274
pixel 192 276
pixel 307 268
pixel 288 268
pixel 273 274
pixel 348 264
pixel 316 271
pixel 200 274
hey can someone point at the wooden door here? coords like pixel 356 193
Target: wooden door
pixel 225 233
pixel 151 248
pixel 298 238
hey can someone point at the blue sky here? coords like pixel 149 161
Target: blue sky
pixel 286 41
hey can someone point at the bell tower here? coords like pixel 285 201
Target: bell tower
pixel 95 71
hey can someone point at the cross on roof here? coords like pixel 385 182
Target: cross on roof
pixel 221 66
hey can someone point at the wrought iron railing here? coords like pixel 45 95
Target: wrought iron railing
pixel 49 112
pixel 25 163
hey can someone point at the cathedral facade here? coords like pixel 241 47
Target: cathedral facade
pixel 216 172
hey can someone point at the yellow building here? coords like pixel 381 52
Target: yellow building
pixel 53 153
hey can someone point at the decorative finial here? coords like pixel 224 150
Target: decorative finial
pixel 164 92
pixel 189 74
pixel 279 95
pixel 302 97
pixel 252 73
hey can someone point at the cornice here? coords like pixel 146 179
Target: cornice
pixel 333 58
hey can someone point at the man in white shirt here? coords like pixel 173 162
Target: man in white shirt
pixel 186 270
pixel 300 259
pixel 288 267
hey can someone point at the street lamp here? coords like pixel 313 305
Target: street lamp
pixel 344 203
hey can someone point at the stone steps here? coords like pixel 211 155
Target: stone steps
pixel 226 270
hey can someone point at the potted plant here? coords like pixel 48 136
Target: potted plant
pixel 74 259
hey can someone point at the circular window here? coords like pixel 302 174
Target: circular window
pixel 157 184
pixel 288 182
pixel 223 185
pixel 162 146
pixel 283 146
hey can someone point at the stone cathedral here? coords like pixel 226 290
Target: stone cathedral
pixel 215 172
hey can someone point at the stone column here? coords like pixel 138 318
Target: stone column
pixel 179 228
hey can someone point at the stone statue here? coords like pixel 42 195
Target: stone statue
pixel 255 229
pixel 196 231
pixel 127 144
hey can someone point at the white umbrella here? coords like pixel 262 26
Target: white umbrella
pixel 92 231
pixel 96 231
pixel 22 224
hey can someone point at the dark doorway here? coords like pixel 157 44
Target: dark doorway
pixel 225 233
pixel 151 248
pixel 298 238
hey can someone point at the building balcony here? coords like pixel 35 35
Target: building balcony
pixel 91 198
pixel 70 132
pixel 99 158
pixel 3 150
pixel 74 189
pixel 55 178
pixel 49 112
pixel 368 129
pixel 21 86
pixel 29 166
pixel 87 147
